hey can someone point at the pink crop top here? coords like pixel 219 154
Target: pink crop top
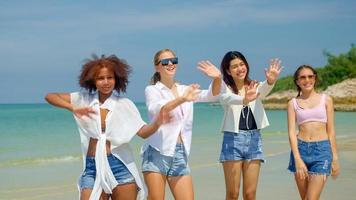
pixel 317 113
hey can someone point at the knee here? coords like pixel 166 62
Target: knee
pixel 250 194
pixel 232 194
pixel 151 196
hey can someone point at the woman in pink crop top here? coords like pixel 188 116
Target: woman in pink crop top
pixel 313 149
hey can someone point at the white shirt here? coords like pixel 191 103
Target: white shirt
pixel 165 138
pixel 123 121
pixel 233 104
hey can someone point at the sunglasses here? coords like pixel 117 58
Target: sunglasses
pixel 166 61
pixel 303 78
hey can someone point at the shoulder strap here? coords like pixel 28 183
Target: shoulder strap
pixel 294 100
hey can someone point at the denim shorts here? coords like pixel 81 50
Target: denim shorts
pixel 118 168
pixel 177 165
pixel 316 156
pixel 245 145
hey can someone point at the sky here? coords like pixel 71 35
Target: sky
pixel 44 43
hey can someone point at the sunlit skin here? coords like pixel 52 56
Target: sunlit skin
pixel 237 71
pixel 180 186
pixel 169 71
pixel 105 83
pixel 310 131
pixel 310 187
pixel 247 170
pixel 104 78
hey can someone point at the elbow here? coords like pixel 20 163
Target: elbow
pixel 48 97
pixel 141 135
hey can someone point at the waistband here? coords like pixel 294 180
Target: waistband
pixel 93 157
pixel 321 142
pixel 244 132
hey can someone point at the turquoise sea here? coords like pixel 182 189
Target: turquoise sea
pixel 39 148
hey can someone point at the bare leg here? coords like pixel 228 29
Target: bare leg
pixel 302 185
pixel 181 187
pixel 315 186
pixel 126 191
pixel 232 172
pixel 85 195
pixel 156 184
pixel 104 196
pixel 250 172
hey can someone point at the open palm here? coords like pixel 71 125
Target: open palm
pixel 191 92
pixel 209 69
pixel 84 111
pixel 251 91
pixel 273 71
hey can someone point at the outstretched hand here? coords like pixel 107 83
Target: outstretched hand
pixel 273 71
pixel 251 91
pixel 209 69
pixel 191 92
pixel 163 117
pixel 84 111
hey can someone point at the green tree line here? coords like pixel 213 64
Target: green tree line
pixel 337 69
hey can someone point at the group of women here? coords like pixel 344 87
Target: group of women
pixel 107 122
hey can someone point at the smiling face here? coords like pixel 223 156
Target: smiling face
pixel 237 69
pixel 166 71
pixel 306 80
pixel 105 81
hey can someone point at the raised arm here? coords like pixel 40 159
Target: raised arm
pixel 301 169
pixel 213 72
pixel 272 74
pixel 147 130
pixel 63 100
pixel 155 103
pixel 335 167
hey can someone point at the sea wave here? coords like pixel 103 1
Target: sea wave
pixel 39 161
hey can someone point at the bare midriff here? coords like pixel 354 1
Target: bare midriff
pixel 93 141
pixel 179 140
pixel 313 131
pixel 92 147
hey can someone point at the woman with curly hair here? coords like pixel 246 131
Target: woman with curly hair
pixel 106 123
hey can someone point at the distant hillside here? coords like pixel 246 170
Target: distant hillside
pixel 337 79
pixel 338 69
pixel 343 94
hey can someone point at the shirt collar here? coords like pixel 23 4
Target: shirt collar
pixel 160 85
pixel 109 102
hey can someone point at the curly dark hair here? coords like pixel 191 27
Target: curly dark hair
pixel 225 66
pixel 91 67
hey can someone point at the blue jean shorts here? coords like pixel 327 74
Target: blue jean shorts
pixel 118 168
pixel 316 156
pixel 245 145
pixel 177 165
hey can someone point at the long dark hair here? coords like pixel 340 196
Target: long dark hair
pixel 225 66
pixel 156 76
pixel 296 76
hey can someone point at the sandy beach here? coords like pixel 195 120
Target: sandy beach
pixel 58 181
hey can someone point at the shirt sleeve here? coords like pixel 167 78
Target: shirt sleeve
pixel 207 95
pixel 264 89
pixel 127 123
pixel 75 98
pixel 154 101
pixel 227 97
